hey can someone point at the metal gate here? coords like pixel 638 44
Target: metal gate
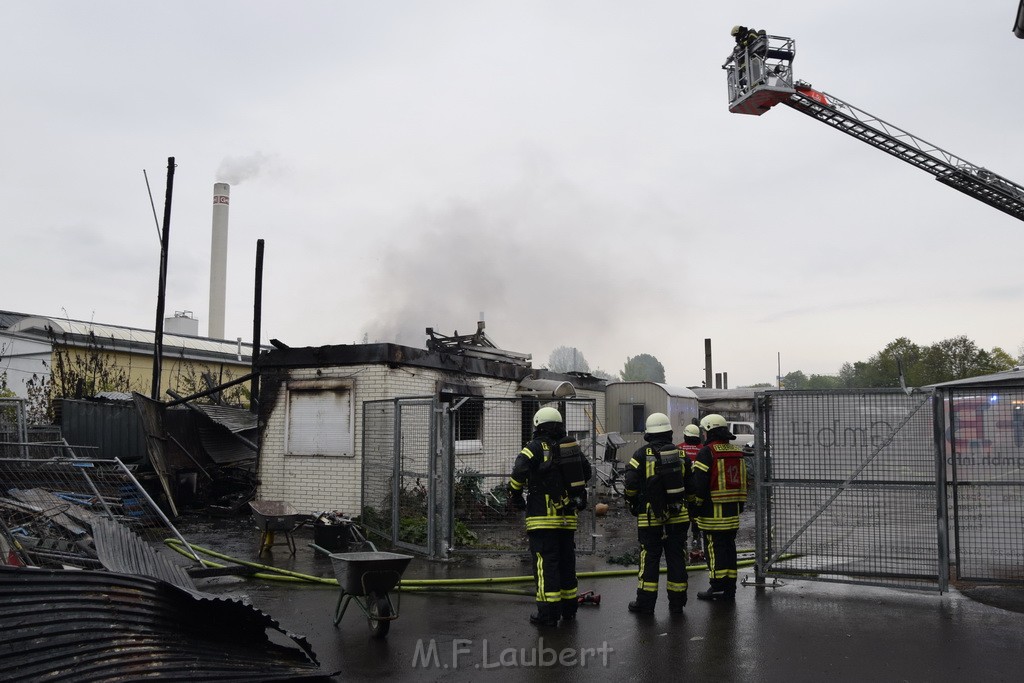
pixel 435 473
pixel 848 488
pixel 984 462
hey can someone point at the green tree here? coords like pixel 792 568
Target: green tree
pixel 823 382
pixel 794 380
pixel 567 359
pixel 960 357
pixel 643 368
pixel 1000 360
pixel 5 391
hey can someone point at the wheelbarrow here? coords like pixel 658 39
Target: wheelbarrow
pixel 273 516
pixel 367 579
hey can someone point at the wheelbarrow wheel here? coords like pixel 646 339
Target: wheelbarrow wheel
pixel 379 613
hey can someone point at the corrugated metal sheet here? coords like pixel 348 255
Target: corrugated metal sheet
pixel 101 626
pixel 236 420
pixel 113 429
pixel 121 550
pixel 8 318
pixel 133 337
pixel 223 448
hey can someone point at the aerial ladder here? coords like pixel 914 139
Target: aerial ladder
pixel 760 76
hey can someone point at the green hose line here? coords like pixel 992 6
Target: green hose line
pixel 466 589
pixel 474 584
pixel 270 572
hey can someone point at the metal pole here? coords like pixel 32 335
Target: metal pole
pixel 165 238
pixel 257 315
pixel 707 363
pixel 156 507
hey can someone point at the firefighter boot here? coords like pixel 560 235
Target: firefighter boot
pixel 676 601
pixel 717 594
pixel 546 615
pixel 644 603
pixel 569 608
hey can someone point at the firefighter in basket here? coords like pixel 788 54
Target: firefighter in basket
pixel 553 472
pixel 656 483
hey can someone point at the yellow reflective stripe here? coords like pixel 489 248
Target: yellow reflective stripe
pixel 681 517
pixel 676 587
pixel 640 575
pixel 568 594
pixel 554 522
pixel 649 587
pixel 697 464
pixel 730 496
pixel 633 462
pixel 515 484
pixel 539 570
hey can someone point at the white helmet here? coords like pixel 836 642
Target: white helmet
pixel 691 430
pixel 713 421
pixel 658 423
pixel 544 415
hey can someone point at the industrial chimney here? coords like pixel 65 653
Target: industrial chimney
pixel 218 260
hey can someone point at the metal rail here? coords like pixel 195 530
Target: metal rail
pixel 948 169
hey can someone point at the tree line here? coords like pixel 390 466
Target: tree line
pixel 943 361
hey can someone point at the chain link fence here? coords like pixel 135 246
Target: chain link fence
pixel 50 498
pixel 848 488
pixel 435 473
pixel 984 463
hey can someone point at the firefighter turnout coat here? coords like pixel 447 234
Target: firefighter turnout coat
pixel 720 485
pixel 545 508
pixel 641 468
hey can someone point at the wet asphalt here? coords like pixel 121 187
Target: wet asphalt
pixel 798 631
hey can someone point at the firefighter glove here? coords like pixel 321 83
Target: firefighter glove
pixel 516 499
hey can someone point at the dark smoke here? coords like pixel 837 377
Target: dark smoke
pixel 541 273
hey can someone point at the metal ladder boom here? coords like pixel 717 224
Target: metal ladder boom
pixel 948 169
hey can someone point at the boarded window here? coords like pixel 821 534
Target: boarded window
pixel 319 421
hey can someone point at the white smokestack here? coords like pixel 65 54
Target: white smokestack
pixel 219 260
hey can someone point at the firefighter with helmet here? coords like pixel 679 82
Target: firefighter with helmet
pixel 720 487
pixel 656 481
pixel 551 504
pixel 690 447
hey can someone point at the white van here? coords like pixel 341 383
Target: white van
pixel 744 433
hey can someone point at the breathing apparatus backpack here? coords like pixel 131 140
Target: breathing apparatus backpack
pixel 665 489
pixel 564 475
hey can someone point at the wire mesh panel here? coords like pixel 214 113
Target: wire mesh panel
pixel 985 468
pixel 846 486
pixel 435 474
pixel 13 429
pixel 413 517
pixel 379 457
pixel 48 503
pixel 487 435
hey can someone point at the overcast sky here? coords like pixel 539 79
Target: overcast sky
pixel 567 168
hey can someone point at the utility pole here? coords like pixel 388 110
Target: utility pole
pixel 165 238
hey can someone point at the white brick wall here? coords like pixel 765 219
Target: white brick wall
pixel 315 483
